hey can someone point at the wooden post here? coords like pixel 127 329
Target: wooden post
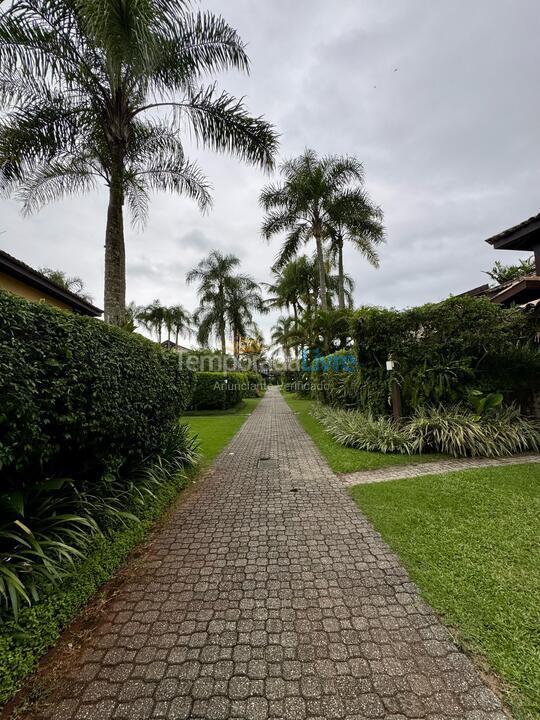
pixel 396 400
pixel 537 259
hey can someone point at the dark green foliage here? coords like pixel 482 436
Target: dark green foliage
pixel 79 397
pixel 452 430
pixel 38 627
pixel 444 350
pixel 218 390
pixel 255 385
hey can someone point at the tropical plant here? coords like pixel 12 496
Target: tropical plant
pixel 73 284
pixel 507 273
pixel 354 218
pixel 283 335
pixel 179 322
pixel 42 533
pixel 225 298
pixel 100 91
pixel 244 299
pixel 482 403
pixel 301 205
pixel 451 430
pixel 153 317
pixel 131 316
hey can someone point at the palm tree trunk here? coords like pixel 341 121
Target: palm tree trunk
pixel 115 256
pixel 295 314
pixel 223 348
pixel 341 275
pixel 322 271
pixel 177 335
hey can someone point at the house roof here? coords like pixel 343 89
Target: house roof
pixel 15 268
pixel 522 292
pixel 524 236
pixel 170 345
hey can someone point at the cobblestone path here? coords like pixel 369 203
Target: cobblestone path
pixel 268 595
pixel 398 472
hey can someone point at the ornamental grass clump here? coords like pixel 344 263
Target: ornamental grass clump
pixel 362 431
pixel 451 430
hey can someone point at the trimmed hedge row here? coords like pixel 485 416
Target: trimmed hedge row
pixel 80 397
pixel 214 390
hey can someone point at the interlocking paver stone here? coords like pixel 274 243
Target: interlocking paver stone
pixel 400 472
pixel 259 602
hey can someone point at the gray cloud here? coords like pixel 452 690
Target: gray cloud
pixel 450 143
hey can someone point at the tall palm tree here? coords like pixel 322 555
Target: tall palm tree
pixel 218 285
pixel 300 205
pixel 101 91
pixel 353 217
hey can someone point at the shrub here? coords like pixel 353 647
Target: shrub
pixel 255 385
pixel 444 350
pixel 362 431
pixel 214 390
pixel 454 431
pixel 153 487
pixel 80 397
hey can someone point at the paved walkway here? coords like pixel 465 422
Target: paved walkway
pixel 437 467
pixel 268 595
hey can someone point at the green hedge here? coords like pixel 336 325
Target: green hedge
pixel 80 397
pixel 214 390
pixel 255 385
pixel 441 352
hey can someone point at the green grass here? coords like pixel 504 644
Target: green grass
pixel 244 407
pixel 342 459
pixel 216 430
pixel 471 541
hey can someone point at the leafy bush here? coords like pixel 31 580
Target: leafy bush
pixel 214 390
pixel 255 385
pixel 442 351
pixel 80 397
pixel 46 528
pixel 454 431
pixel 356 429
pixel 153 487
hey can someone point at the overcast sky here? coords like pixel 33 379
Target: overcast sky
pixel 438 99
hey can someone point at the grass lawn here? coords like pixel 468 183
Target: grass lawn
pixel 471 541
pixel 216 428
pixel 342 459
pixel 244 407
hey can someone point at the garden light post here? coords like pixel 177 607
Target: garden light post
pixel 396 392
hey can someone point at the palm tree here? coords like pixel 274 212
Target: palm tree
pixel 243 299
pixel 353 217
pixel 131 316
pixel 218 286
pixel 73 284
pixel 283 334
pixel 300 206
pixel 101 92
pixel 179 322
pixel 153 317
